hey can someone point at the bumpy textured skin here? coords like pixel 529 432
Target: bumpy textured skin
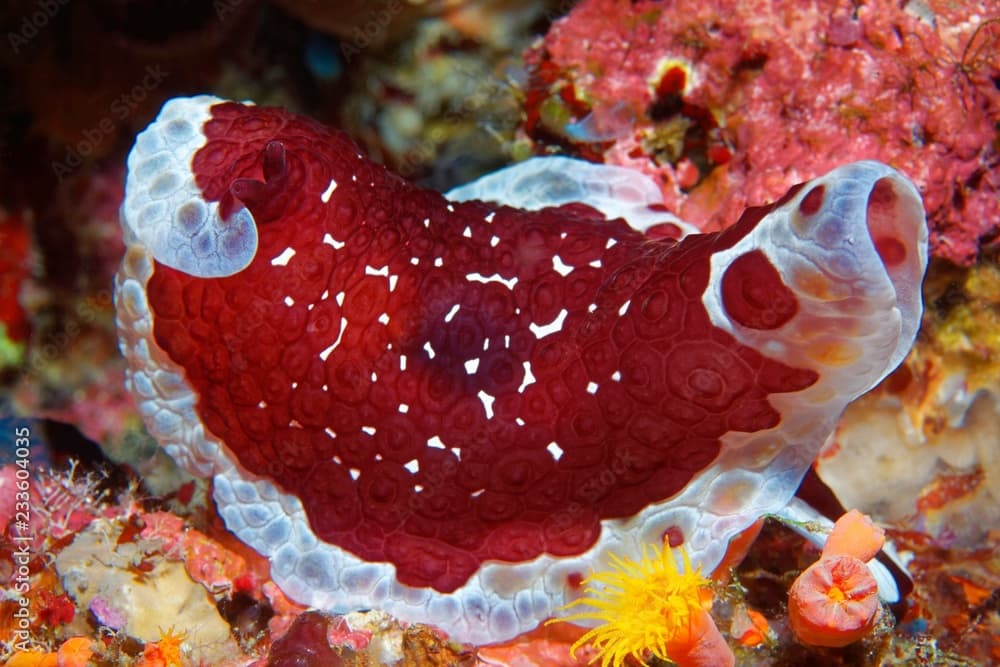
pixel 197 240
pixel 453 411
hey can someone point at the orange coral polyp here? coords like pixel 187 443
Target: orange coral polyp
pixel 33 659
pixel 834 602
pixel 75 652
pixel 855 535
pixel 702 645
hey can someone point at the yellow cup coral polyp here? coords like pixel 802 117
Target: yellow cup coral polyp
pixel 834 602
pixel 651 607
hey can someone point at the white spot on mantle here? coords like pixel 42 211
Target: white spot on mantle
pixel 555 450
pixel 487 403
pixel 492 278
pixel 329 191
pixel 329 240
pixel 282 259
pixel 561 267
pixel 552 327
pixel 326 353
pixel 529 377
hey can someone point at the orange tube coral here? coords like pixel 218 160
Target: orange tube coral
pixel 702 645
pixel 33 659
pixel 854 534
pixel 834 602
pixel 75 652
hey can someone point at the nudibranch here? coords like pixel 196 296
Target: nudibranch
pixel 454 408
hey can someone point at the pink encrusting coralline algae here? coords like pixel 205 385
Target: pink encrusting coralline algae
pixel 453 409
pixel 727 104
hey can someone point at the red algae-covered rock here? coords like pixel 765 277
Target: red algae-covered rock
pixel 451 410
pixel 305 644
pixel 758 96
pixel 141 594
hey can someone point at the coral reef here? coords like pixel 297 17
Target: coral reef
pixel 926 437
pixel 437 108
pixel 731 104
pixel 721 104
pixel 125 581
pixel 98 569
pixel 88 570
pixel 70 370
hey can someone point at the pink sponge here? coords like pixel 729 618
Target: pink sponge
pixel 730 103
